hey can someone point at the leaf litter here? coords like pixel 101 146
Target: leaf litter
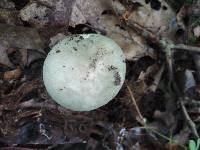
pixel 157 107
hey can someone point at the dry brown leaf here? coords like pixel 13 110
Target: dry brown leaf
pixel 88 11
pixel 132 45
pixel 4 60
pixel 33 56
pixel 158 21
pixel 24 56
pixel 64 12
pixel 35 14
pixel 55 39
pixel 7 4
pixel 21 37
pixel 10 17
pixel 13 74
pixel 29 56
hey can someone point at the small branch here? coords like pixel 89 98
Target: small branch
pixel 102 31
pixel 32 104
pixel 189 120
pixel 140 118
pixel 187 47
pixel 157 78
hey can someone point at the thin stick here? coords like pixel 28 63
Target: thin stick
pixel 186 47
pixel 140 118
pixel 189 120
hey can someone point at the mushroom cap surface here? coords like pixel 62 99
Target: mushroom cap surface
pixel 84 72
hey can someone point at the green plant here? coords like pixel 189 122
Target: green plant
pixel 194 145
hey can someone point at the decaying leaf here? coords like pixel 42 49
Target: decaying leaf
pixel 197 31
pixel 24 56
pixel 186 80
pixel 181 15
pixel 29 56
pixel 142 85
pixel 21 37
pixel 9 17
pixel 49 3
pixel 4 57
pixel 7 4
pixel 160 21
pixel 87 11
pixel 13 74
pixel 33 56
pixel 35 14
pixel 55 39
pixel 132 45
pixel 64 12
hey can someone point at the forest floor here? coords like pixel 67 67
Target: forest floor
pixel 158 106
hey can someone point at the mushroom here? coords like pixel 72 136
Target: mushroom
pixel 84 72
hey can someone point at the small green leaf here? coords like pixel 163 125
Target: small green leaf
pixel 192 145
pixel 198 143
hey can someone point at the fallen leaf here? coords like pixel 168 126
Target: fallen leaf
pixel 4 57
pixel 35 14
pixel 49 3
pixel 87 11
pixel 24 56
pixel 64 12
pixel 21 37
pixel 185 80
pixel 160 21
pixel 7 4
pixel 13 74
pixel 33 56
pixel 196 31
pixel 10 17
pixel 133 46
pixel 183 135
pixel 181 15
pixel 55 39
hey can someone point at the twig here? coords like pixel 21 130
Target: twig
pixel 189 120
pixel 187 47
pixel 32 104
pixel 197 63
pixel 157 78
pixel 139 118
pixel 102 31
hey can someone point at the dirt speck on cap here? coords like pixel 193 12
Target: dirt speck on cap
pixel 110 68
pixel 58 51
pixel 117 79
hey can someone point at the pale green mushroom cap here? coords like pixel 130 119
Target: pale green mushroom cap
pixel 84 72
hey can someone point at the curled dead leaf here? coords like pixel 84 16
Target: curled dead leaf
pixel 13 74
